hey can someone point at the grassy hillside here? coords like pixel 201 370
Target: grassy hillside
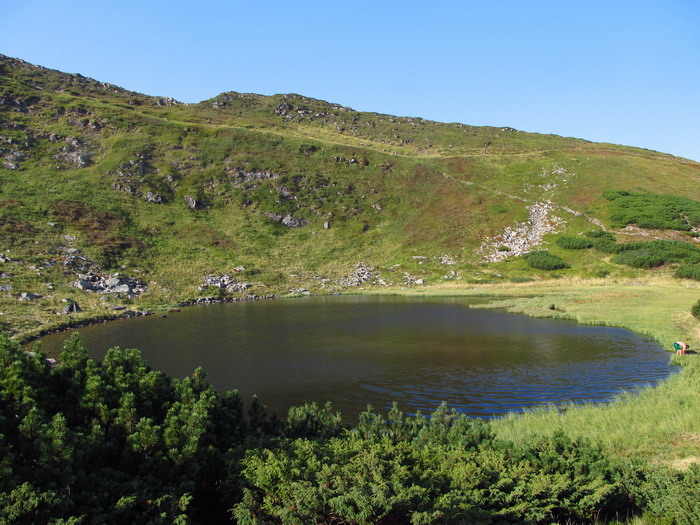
pixel 287 193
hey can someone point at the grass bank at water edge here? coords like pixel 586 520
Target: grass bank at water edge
pixel 661 424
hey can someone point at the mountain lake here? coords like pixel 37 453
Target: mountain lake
pixel 360 350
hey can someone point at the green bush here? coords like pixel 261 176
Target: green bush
pixel 574 243
pixel 599 234
pixel 650 254
pixel 695 310
pixel 688 271
pixel 667 496
pixel 446 469
pixel 640 259
pixel 606 245
pixel 543 260
pixel 648 210
pixel 603 241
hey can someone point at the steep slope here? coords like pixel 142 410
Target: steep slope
pixel 279 194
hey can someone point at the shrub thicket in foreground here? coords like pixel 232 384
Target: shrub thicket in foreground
pixel 543 260
pixel 116 442
pixel 446 469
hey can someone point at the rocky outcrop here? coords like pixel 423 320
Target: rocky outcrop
pixel 287 220
pixel 224 282
pixel 71 258
pixel 27 296
pixel 109 284
pixel 13 159
pixel 524 236
pixel 193 203
pixel 139 178
pixel 293 222
pixel 240 178
pixel 168 101
pixel 362 274
pixel 73 153
pixel 153 198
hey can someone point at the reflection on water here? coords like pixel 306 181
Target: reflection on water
pixel 356 351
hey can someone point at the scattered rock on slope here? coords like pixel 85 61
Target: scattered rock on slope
pixel 524 236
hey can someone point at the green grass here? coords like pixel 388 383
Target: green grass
pixel 660 424
pixel 390 188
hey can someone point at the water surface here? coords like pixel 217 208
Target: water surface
pixel 356 351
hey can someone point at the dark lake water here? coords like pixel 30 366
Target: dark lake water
pixel 356 351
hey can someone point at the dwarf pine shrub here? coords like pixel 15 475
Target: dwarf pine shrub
pixel 640 259
pixel 648 210
pixel 574 243
pixel 543 260
pixel 688 271
pixel 695 310
pixel 597 234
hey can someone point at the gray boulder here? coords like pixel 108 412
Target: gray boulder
pixel 193 203
pixel 122 288
pixel 83 284
pixel 71 308
pixel 272 216
pixel 112 282
pixel 292 222
pixel 27 296
pixel 153 198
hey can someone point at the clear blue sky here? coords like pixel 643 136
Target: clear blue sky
pixel 626 72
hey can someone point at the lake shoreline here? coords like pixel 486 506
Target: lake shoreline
pixel 660 424
pixel 25 338
pixel 523 298
pixel 654 307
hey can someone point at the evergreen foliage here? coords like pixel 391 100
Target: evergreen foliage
pixel 543 260
pixel 695 310
pixel 574 243
pixel 667 495
pixel 640 259
pixel 116 442
pixel 648 210
pixel 649 254
pixel 689 271
pixel 446 469
pixel 598 234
